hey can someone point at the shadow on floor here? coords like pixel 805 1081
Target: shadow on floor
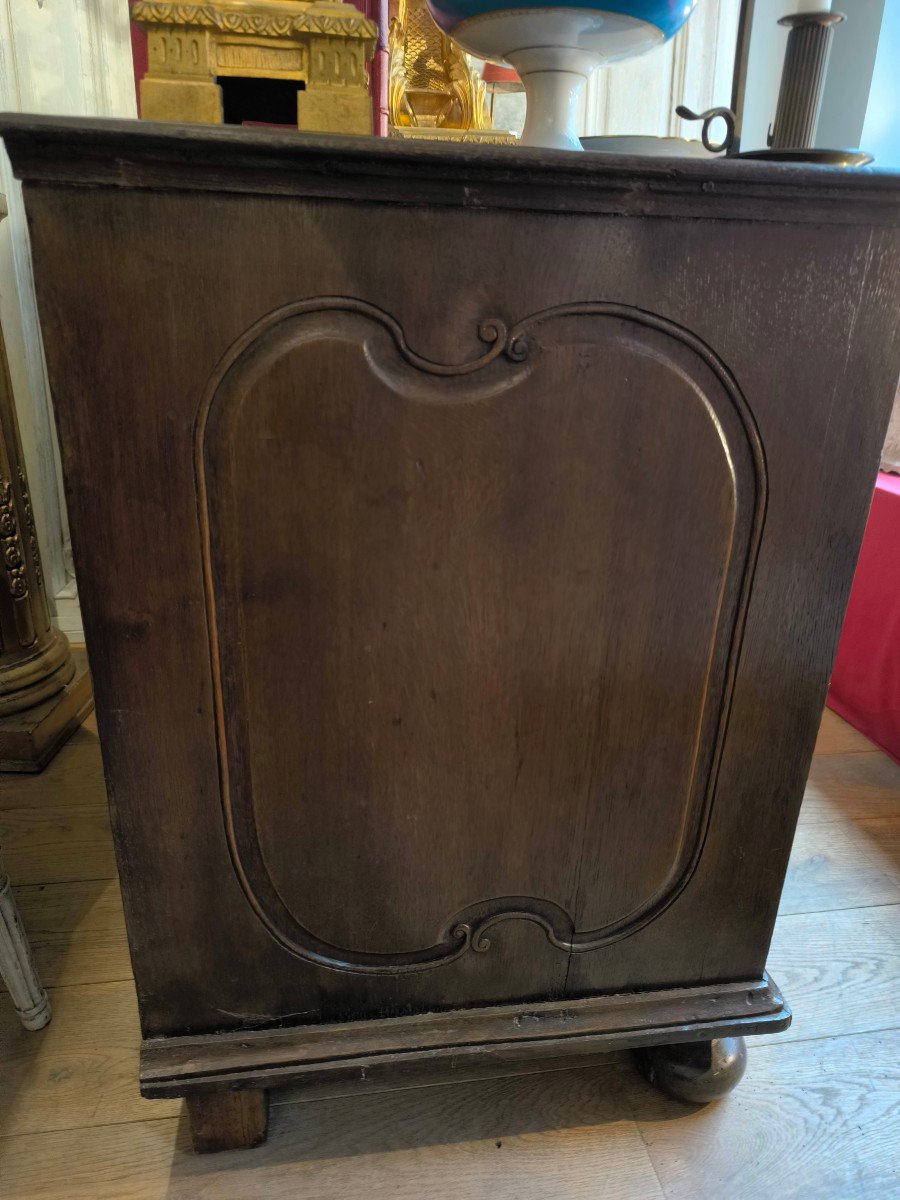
pixel 492 1110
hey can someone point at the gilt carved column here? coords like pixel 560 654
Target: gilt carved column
pixel 44 689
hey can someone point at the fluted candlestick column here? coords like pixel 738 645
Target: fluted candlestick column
pixel 803 78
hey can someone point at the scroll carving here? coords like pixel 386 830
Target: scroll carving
pixel 32 531
pixel 471 929
pixel 13 559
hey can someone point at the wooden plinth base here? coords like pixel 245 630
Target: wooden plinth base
pixel 29 739
pixel 224 1075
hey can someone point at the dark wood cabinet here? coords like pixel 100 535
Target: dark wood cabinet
pixel 463 536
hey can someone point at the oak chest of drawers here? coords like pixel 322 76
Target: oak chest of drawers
pixel 463 536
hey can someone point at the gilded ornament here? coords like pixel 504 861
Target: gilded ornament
pixel 431 83
pixel 319 47
pixel 32 531
pixel 9 535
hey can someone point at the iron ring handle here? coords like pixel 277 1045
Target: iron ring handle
pixel 707 118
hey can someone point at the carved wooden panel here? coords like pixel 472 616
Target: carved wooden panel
pixel 509 596
pixel 419 678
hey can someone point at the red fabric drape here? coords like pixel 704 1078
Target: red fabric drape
pixel 865 685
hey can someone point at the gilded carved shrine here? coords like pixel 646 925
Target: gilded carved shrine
pixel 433 91
pixel 258 61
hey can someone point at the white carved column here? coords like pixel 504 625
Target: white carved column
pixel 16 964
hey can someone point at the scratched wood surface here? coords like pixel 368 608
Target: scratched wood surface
pixel 818 1109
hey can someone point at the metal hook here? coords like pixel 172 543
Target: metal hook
pixel 707 118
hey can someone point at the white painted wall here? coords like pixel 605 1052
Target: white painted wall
pixel 768 41
pixel 639 96
pixel 881 130
pixel 60 57
pixel 695 68
pixel 849 77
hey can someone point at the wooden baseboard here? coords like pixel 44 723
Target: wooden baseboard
pixel 508 1039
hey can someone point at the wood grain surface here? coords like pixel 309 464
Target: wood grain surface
pixel 545 563
pixel 464 645
pixel 818 1109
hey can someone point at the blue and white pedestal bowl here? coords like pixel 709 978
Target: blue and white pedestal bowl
pixel 555 48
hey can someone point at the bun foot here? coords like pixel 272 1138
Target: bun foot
pixel 697 1072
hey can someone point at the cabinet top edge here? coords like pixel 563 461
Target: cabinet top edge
pixel 132 154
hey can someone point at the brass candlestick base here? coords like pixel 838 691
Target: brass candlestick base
pixel 809 154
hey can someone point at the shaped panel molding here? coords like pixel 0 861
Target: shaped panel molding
pixel 498 640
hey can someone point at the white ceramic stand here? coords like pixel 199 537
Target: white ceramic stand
pixel 555 51
pixel 554 82
pixel 16 965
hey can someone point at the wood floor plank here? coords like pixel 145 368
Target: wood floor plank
pixel 57 843
pixel 860 786
pixel 76 931
pixel 81 1070
pixel 838 865
pixel 817 1116
pixel 810 1121
pixel 839 971
pixel 74 777
pixel 566 1134
pixel 883 835
pixel 837 736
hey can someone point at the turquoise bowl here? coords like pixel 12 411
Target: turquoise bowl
pixel 667 16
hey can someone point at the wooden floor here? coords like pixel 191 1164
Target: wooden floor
pixel 817 1116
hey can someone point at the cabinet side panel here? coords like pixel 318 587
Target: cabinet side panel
pixel 135 323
